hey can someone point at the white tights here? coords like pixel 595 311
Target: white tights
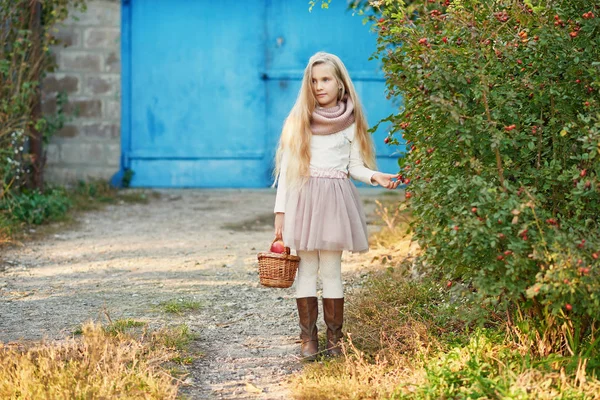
pixel 330 265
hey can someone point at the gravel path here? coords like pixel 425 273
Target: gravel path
pixel 196 245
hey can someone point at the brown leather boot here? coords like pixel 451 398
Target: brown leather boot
pixel 333 312
pixel 308 311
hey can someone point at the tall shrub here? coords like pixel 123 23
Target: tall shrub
pixel 501 113
pixel 26 28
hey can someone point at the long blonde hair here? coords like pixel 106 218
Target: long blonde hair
pixel 296 133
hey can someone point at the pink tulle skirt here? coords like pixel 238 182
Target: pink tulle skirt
pixel 325 214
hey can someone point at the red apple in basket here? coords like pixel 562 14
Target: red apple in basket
pixel 278 247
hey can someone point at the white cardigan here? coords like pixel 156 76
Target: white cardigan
pixel 337 151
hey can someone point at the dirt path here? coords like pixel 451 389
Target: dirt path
pixel 193 245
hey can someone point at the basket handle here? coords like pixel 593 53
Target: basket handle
pixel 288 251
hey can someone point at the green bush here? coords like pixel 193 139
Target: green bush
pixel 25 58
pixel 500 118
pixel 487 368
pixel 34 207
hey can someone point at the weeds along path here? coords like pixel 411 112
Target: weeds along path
pixel 188 257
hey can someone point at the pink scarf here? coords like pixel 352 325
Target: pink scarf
pixel 326 121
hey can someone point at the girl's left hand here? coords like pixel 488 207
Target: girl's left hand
pixel 386 180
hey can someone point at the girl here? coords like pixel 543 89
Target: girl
pixel 317 208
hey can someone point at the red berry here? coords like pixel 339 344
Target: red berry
pixel 455 227
pixel 568 307
pixel 474 209
pixel 445 39
pixel 500 258
pixel 573 34
pixel 386 140
pixel 523 232
pixel 406 181
pixel 508 252
pixel 449 284
pixel 381 20
pixel 595 256
pixel 408 195
pixel 501 236
pixel 566 281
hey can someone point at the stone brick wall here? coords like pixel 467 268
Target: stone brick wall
pixel 89 71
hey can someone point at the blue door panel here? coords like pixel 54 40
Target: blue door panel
pixel 207 85
pixel 294 34
pixel 163 173
pixel 196 92
pixel 281 97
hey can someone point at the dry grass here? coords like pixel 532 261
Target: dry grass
pixel 407 340
pixel 358 375
pixel 98 365
pixel 555 385
pixel 384 345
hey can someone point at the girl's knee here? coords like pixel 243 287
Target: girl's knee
pixel 330 264
pixel 309 262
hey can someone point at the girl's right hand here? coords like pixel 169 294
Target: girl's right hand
pixel 279 217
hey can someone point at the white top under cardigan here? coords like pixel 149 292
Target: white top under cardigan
pixel 337 151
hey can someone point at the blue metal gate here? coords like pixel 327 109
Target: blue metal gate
pixel 206 85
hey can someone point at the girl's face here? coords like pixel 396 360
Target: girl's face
pixel 324 85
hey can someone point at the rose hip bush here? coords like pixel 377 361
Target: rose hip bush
pixel 501 119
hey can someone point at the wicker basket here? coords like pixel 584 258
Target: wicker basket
pixel 277 270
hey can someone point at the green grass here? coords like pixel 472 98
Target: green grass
pixel 179 306
pixel 27 214
pixel 415 339
pixel 123 325
pixel 183 360
pixel 177 337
